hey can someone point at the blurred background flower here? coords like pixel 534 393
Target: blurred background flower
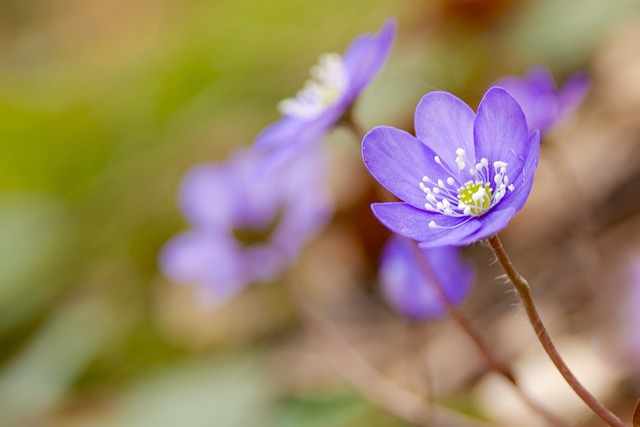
pixel 541 100
pixel 105 105
pixel 411 285
pixel 248 225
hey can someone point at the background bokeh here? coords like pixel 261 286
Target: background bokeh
pixel 105 104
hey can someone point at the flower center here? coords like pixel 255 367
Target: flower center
pixel 477 196
pixel 329 80
pixel 257 234
pixel 473 198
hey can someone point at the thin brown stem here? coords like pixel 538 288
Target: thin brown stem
pixel 524 291
pixel 482 346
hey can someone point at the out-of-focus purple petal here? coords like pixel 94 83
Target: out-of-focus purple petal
pixel 210 261
pixel 249 226
pixel 541 101
pixel 205 196
pixel 409 277
pixel 399 161
pixel 404 219
pixel 366 55
pixel 308 204
pixel 633 313
pixel 445 123
pixel 312 116
pixel 536 93
pixel 571 95
pixel 501 131
pixel 293 132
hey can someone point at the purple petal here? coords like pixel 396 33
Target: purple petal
pixel 494 221
pixel 264 263
pixel 366 55
pixel 308 205
pixel 291 131
pixel 501 131
pixel 399 161
pixel 211 262
pixel 445 123
pixel 523 183
pixel 404 219
pixel 411 290
pixel 572 94
pixel 541 101
pixel 537 95
pixel 206 198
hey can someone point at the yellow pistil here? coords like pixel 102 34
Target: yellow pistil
pixel 476 198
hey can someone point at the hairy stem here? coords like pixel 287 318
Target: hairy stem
pixel 483 348
pixel 524 291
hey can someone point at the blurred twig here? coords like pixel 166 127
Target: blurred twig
pixel 351 365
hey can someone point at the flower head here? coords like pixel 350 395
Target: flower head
pixel 463 177
pixel 336 81
pixel 541 100
pixel 411 290
pixel 247 227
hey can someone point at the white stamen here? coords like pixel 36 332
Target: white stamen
pixel 329 82
pixel 474 198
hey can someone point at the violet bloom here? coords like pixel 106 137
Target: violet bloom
pixel 411 290
pixel 336 81
pixel 463 177
pixel 631 326
pixel 246 227
pixel 541 100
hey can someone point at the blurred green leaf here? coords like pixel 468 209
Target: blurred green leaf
pixel 235 392
pixel 35 233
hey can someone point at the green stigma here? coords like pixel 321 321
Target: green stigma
pixel 476 197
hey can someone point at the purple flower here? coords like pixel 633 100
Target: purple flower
pixel 411 290
pixel 247 227
pixel 631 316
pixel 464 176
pixel 335 83
pixel 542 102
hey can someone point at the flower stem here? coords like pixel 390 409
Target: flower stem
pixel 492 362
pixel 483 348
pixel 524 291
